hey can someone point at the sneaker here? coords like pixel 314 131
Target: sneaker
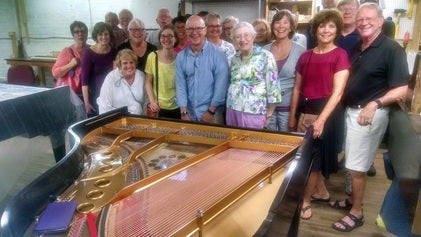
pixel 372 171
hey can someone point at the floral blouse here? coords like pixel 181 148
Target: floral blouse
pixel 254 83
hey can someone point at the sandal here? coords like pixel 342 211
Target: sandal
pixel 347 227
pixel 337 204
pixel 304 210
pixel 319 199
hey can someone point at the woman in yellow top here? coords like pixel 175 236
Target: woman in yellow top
pixel 162 98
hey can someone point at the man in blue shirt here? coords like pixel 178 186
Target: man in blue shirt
pixel 349 36
pixel 201 76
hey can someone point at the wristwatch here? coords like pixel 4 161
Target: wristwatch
pixel 379 103
pixel 209 111
pixel 184 113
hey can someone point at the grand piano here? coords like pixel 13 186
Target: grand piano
pixel 138 176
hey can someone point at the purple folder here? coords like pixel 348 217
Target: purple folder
pixel 56 217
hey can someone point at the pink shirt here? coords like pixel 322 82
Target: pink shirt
pixel 178 49
pixel 64 58
pixel 318 70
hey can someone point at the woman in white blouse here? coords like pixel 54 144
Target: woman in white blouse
pixel 124 86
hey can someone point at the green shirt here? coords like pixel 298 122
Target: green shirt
pixel 166 81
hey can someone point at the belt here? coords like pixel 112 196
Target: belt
pixel 356 106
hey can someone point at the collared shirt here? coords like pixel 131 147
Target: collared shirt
pixel 376 70
pixel 116 93
pixel 201 80
pixel 348 41
pixel 254 83
pixel 153 38
pixel 228 49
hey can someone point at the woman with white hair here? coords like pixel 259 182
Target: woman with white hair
pixel 137 43
pixel 254 91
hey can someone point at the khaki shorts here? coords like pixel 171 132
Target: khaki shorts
pixel 362 142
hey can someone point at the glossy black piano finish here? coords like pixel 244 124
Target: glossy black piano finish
pixel 21 212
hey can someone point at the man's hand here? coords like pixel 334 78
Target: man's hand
pixel 207 117
pixel 185 117
pixel 367 113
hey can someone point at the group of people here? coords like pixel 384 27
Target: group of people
pixel 204 69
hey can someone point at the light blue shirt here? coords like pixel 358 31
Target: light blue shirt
pixel 201 80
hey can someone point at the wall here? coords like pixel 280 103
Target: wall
pixel 49 20
pixel 249 9
pixel 7 24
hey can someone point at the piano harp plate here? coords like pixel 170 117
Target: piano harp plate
pixel 160 178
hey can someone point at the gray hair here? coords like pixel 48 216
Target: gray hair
pixel 345 2
pixel 136 22
pixel 373 6
pixel 247 25
pixel 125 11
pixel 229 19
pixel 211 16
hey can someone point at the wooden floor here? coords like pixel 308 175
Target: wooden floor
pixel 318 225
pixel 323 215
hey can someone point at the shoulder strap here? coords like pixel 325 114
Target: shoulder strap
pixel 71 51
pixel 156 72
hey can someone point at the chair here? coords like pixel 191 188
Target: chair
pixel 21 75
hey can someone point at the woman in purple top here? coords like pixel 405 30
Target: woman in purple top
pixel 97 62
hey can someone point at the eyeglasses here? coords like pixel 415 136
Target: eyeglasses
pixel 347 9
pixel 197 29
pixel 261 31
pixel 368 20
pixel 214 26
pixel 246 36
pixel 167 36
pixel 137 30
pixel 79 32
pixel 163 17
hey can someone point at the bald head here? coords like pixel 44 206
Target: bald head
pixel 196 32
pixel 195 19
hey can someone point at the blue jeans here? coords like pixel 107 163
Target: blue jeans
pixel 279 121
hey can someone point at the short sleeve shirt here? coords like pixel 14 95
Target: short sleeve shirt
pixel 254 83
pixel 375 71
pixel 166 81
pixel 141 61
pixel 318 70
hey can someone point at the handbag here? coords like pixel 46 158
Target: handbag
pixel 149 112
pixel 305 121
pixel 69 79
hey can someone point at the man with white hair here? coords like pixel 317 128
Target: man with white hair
pixel 379 77
pixel 163 18
pixel 227 25
pixel 125 16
